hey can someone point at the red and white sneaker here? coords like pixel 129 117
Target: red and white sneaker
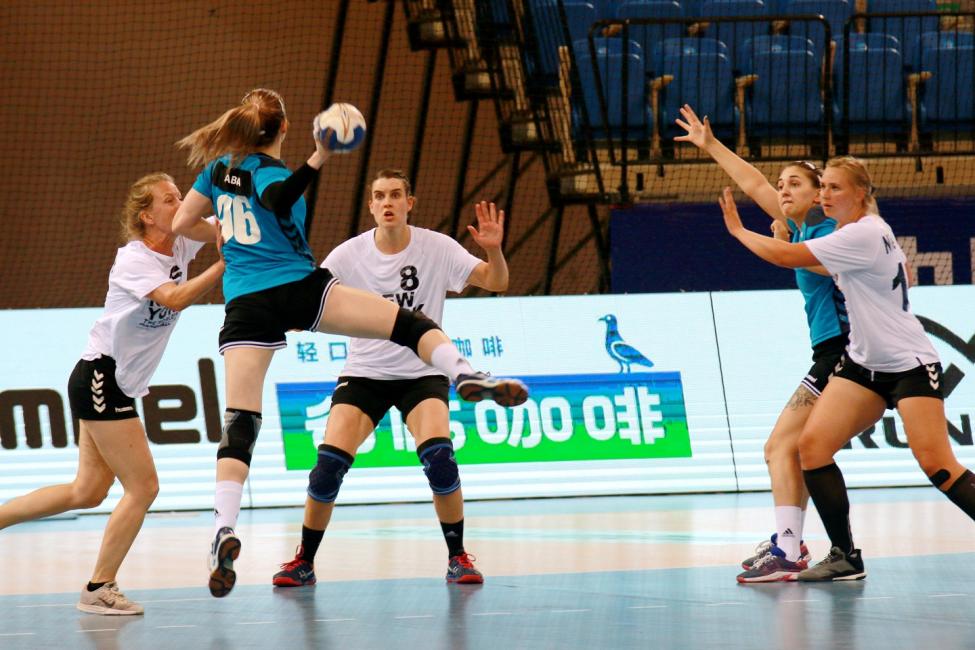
pixel 296 573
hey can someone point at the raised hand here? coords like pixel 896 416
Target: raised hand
pixel 698 132
pixel 490 225
pixel 732 220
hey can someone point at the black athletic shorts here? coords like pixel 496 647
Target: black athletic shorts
pixel 375 396
pixel 826 357
pixel 922 381
pixel 261 319
pixel 93 393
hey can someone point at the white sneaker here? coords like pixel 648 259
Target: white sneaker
pixel 223 552
pixel 107 600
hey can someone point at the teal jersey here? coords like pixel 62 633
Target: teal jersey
pixel 261 249
pixel 825 305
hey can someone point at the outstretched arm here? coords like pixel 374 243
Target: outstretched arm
pixel 751 181
pixel 190 220
pixel 180 296
pixel 769 249
pixel 493 274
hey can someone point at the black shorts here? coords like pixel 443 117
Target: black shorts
pixel 261 319
pixel 93 393
pixel 922 381
pixel 375 396
pixel 826 358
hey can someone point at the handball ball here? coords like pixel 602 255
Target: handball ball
pixel 347 124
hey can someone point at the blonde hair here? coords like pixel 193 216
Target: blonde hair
pixel 138 200
pixel 254 124
pixel 856 169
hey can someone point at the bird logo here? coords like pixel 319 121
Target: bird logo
pixel 622 353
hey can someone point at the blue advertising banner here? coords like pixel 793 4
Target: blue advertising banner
pixel 684 247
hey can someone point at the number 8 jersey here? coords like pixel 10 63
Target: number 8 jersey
pixel 869 268
pixel 262 249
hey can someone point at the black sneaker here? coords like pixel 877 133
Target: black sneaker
pixel 836 566
pixel 479 386
pixel 296 573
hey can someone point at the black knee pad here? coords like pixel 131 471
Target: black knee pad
pixel 938 478
pixel 240 429
pixel 440 465
pixel 326 477
pixel 409 327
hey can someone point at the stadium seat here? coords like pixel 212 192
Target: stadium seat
pixel 786 98
pixel 734 33
pixel 772 43
pixel 878 102
pixel 836 13
pixel 705 82
pixel 611 122
pixel 907 31
pixel 546 35
pixel 649 35
pixel 947 97
pixel 683 45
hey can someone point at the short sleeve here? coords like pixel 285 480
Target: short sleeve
pixel 850 248
pixel 821 229
pixel 191 247
pixel 265 176
pixel 137 274
pixel 204 181
pixel 459 264
pixel 335 261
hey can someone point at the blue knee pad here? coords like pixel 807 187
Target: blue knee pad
pixel 240 429
pixel 440 465
pixel 326 477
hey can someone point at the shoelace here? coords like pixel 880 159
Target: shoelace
pixel 292 565
pixel 466 560
pixel 762 561
pixel 115 597
pixel 763 547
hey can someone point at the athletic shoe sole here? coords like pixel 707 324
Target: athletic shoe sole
pixel 778 576
pixel 505 392
pixel 466 580
pixel 223 578
pixel 288 582
pixel 105 611
pixel 853 576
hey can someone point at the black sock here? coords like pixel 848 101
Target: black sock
pixel 95 586
pixel 962 493
pixel 453 534
pixel 311 539
pixel 828 491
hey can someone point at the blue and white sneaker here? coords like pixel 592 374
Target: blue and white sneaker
pixel 480 386
pixel 223 552
pixel 765 547
pixel 773 567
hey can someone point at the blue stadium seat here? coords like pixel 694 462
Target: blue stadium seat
pixel 705 82
pixel 649 35
pixel 947 97
pixel 633 95
pixel 683 45
pixel 605 9
pixel 906 30
pixel 945 40
pixel 544 21
pixel 732 33
pixel 772 43
pixel 786 97
pixel 836 12
pixel 877 100
pixel 859 42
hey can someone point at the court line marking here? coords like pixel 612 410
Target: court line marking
pixel 945 595
pixel 255 623
pixel 167 627
pixel 645 606
pixel 721 604
pixel 874 598
pixel 103 629
pixel 332 620
pixel 414 616
pixel 161 600
pixel 18 634
pixel 492 614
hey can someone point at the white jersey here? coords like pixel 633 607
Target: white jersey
pixel 869 268
pixel 418 278
pixel 134 330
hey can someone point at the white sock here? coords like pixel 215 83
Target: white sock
pixel 788 525
pixel 446 358
pixel 226 504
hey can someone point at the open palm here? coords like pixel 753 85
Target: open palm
pixel 490 225
pixel 698 132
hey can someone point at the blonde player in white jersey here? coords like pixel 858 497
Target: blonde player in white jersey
pixel 147 288
pixel 890 363
pixel 414 267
